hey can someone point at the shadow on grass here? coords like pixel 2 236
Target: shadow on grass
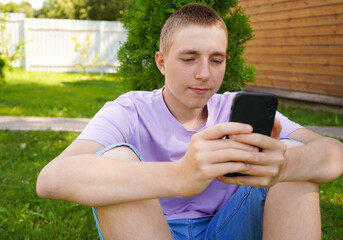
pixel 332 220
pixel 23 215
pixel 331 205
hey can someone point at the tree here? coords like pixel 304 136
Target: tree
pixel 144 21
pixel 83 9
pixel 23 7
pixel 57 9
pixel 106 9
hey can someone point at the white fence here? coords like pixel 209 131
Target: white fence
pixel 49 46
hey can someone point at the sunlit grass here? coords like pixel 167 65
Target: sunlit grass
pixel 57 94
pixel 305 115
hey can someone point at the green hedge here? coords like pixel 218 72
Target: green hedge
pixel 144 21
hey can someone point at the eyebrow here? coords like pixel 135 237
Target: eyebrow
pixel 194 52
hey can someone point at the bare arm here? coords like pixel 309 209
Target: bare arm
pixel 320 160
pixel 79 176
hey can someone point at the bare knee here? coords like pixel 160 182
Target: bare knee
pixel 292 211
pixel 296 189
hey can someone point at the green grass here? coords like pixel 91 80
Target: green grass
pixel 331 205
pixel 308 114
pixel 23 215
pixel 73 95
pixel 57 94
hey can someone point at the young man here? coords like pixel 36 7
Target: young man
pixel 160 175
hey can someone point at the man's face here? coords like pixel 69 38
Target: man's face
pixel 194 68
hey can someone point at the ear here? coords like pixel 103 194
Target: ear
pixel 159 59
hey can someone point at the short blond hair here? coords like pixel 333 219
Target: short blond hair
pixel 190 14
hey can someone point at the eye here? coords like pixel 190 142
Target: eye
pixel 217 61
pixel 187 59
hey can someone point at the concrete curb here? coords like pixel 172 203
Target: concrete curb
pixel 43 123
pixel 78 124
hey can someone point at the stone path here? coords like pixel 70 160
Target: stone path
pixel 77 124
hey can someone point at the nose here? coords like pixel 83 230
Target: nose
pixel 203 72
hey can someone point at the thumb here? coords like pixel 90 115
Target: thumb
pixel 276 129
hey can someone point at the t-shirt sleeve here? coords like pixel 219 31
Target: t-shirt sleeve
pixel 288 126
pixel 113 123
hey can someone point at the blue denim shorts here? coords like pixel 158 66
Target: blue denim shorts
pixel 240 218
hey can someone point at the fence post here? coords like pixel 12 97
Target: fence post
pixel 101 67
pixel 26 52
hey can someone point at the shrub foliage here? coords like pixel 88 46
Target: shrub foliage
pixel 144 21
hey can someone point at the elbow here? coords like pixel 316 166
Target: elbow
pixel 335 158
pixel 46 185
pixel 42 186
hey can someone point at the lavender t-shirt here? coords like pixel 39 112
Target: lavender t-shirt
pixel 143 120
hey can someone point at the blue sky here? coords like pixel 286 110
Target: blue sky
pixel 34 3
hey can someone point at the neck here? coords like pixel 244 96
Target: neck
pixel 196 124
pixel 192 118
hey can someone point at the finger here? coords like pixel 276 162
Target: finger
pixel 244 167
pixel 214 145
pixel 231 155
pixel 262 170
pixel 219 170
pixel 276 129
pixel 223 129
pixel 259 140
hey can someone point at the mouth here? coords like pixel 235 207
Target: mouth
pixel 200 91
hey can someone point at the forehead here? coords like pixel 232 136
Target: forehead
pixel 209 38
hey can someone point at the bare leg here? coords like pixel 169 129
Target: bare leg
pixel 133 220
pixel 292 211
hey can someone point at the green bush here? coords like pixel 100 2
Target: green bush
pixel 9 54
pixel 144 21
pixel 2 74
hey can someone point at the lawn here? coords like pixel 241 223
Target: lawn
pixel 23 215
pixel 57 94
pixel 73 95
pixel 22 154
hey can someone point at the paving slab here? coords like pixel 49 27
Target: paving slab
pixel 43 123
pixel 327 131
pixel 78 124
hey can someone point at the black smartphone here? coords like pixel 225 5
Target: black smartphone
pixel 256 109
